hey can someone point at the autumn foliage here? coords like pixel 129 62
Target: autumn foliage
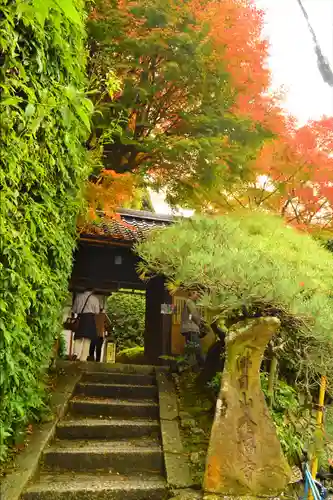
pixel 236 25
pixel 188 95
pixel 108 192
pixel 195 115
pixel 299 165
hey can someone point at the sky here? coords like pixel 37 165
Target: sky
pixel 293 62
pixel 292 59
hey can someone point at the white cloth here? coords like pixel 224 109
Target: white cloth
pixel 81 348
pixel 93 304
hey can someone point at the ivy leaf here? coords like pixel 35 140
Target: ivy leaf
pixel 70 11
pixel 29 110
pixel 41 10
pixel 83 116
pixel 10 101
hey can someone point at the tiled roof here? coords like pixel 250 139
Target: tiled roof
pixel 129 226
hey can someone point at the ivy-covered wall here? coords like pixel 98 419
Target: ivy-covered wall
pixel 44 118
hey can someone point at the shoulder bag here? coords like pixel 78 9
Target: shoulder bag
pixel 73 323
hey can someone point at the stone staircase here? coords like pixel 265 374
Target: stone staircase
pixel 108 446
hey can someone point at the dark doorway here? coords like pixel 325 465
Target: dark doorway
pixel 107 266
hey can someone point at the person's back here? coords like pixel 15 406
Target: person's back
pixel 190 329
pixel 86 306
pixel 190 321
pixel 102 323
pixel 86 303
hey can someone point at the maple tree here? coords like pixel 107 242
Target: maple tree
pixel 292 176
pixel 108 192
pixel 237 27
pixel 300 166
pixel 105 194
pixel 189 111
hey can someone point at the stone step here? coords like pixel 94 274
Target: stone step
pixel 123 457
pixel 107 429
pixel 94 389
pixel 66 486
pixel 114 408
pixel 118 378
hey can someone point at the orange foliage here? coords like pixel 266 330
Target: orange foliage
pixel 109 192
pixel 236 31
pixel 300 165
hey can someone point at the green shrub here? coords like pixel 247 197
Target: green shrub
pixel 293 421
pixel 215 383
pixel 44 117
pixel 127 314
pixel 132 355
pixel 329 423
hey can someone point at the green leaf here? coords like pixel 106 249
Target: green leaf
pixel 69 9
pixel 83 116
pixel 10 101
pixel 40 10
pixel 29 110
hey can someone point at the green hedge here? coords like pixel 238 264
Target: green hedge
pixel 127 313
pixel 44 117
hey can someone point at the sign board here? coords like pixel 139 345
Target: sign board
pixel 168 309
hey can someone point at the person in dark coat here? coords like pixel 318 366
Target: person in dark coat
pixel 103 325
pixel 86 306
pixel 191 322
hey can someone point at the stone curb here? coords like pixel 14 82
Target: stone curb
pixel 27 462
pixel 177 469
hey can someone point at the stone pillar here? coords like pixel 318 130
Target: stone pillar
pixel 245 456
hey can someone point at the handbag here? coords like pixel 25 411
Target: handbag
pixel 73 323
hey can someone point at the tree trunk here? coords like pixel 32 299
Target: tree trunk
pixel 245 456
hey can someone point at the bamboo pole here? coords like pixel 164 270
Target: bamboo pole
pixel 320 415
pixel 319 423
